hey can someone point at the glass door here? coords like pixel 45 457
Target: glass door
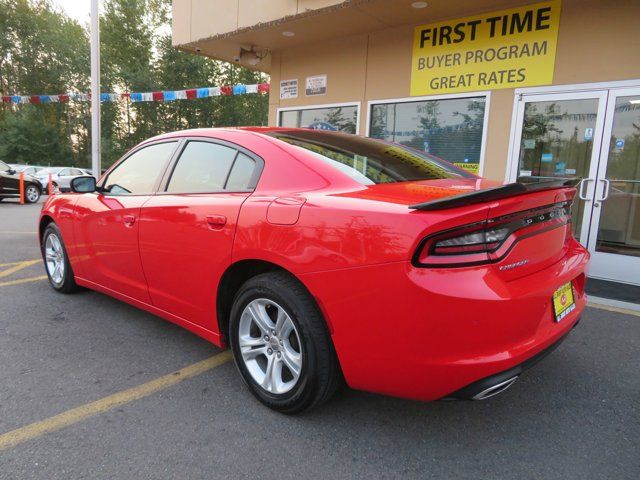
pixel 559 137
pixel 614 237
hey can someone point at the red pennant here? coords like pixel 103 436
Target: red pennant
pixel 124 96
pixel 226 90
pixel 158 96
pixel 191 93
pixel 263 88
pixel 35 98
pixel 6 99
pixel 63 98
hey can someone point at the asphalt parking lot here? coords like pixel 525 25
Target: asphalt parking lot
pixel 576 415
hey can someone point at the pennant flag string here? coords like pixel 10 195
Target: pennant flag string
pixel 163 96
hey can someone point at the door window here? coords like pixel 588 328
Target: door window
pixel 241 177
pixel 450 129
pixel 203 167
pixel 138 173
pixel 619 227
pixel 557 142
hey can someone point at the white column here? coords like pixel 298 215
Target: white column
pixel 95 90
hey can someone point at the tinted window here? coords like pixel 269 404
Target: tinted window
pixel 202 167
pixel 139 172
pixel 370 161
pixel 241 174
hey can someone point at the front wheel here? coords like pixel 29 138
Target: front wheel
pixel 31 193
pixel 56 261
pixel 281 344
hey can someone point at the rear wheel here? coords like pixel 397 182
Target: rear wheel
pixel 56 261
pixel 281 344
pixel 31 193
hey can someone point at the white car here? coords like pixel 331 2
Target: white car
pixel 60 176
pixel 27 169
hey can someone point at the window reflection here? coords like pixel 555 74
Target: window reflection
pixel 343 119
pixel 619 227
pixel 450 129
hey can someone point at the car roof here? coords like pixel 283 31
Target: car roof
pixel 212 132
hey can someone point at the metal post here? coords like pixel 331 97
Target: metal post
pixel 95 89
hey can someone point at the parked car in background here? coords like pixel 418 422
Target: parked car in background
pixel 316 255
pixel 10 184
pixel 60 176
pixel 27 169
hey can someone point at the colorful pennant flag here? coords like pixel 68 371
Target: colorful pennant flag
pixel 165 96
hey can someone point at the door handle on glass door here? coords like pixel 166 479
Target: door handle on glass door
pixel 129 220
pixel 584 182
pixel 605 192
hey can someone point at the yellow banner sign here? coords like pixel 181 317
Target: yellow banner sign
pixel 506 49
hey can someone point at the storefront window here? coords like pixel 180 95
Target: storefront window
pixel 342 119
pixel 447 128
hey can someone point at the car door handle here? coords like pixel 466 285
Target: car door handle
pixel 129 220
pixel 216 221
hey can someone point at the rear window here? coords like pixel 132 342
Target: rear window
pixel 370 161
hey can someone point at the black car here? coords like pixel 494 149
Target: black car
pixel 10 185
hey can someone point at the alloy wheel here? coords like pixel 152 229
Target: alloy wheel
pixel 32 194
pixel 54 257
pixel 270 346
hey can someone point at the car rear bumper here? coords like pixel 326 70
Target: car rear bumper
pixel 428 333
pixel 499 382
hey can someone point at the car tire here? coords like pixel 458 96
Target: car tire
pixel 302 342
pixel 56 261
pixel 32 193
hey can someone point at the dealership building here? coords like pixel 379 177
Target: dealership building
pixel 510 90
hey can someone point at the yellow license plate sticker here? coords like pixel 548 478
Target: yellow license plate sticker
pixel 563 301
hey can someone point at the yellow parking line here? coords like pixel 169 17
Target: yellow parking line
pixel 23 280
pixel 18 267
pixel 609 308
pixel 75 415
pixel 16 263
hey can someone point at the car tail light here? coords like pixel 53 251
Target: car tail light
pixel 490 240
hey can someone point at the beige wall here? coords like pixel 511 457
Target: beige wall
pixel 598 41
pixel 197 19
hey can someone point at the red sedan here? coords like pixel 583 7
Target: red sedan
pixel 318 256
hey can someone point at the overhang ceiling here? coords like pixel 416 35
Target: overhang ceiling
pixel 341 20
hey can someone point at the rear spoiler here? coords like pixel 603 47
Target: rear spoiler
pixel 495 193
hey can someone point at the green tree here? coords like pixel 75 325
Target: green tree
pixel 29 137
pixel 44 52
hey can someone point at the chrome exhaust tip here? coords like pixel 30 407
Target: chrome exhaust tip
pixel 494 389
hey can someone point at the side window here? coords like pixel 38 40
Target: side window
pixel 241 174
pixel 75 171
pixel 64 172
pixel 139 172
pixel 203 167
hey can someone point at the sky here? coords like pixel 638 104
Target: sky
pixel 78 9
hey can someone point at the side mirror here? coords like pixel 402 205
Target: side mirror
pixel 83 184
pixel 11 171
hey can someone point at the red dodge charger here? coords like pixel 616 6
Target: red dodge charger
pixel 320 256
